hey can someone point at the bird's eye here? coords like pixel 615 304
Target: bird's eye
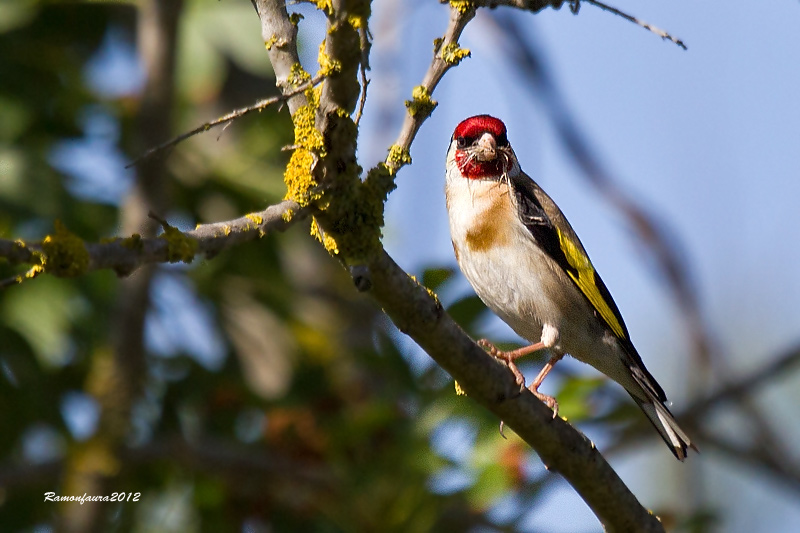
pixel 462 142
pixel 502 140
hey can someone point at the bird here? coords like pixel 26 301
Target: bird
pixel 525 262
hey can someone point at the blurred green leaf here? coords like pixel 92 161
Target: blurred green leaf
pixel 42 313
pixel 467 311
pixel 702 521
pixel 211 33
pixel 16 13
pixel 574 396
pixel 16 119
pixel 492 483
pixel 434 277
pixel 12 172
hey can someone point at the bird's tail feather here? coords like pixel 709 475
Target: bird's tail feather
pixel 667 426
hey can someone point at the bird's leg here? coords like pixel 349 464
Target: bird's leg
pixel 510 357
pixel 534 388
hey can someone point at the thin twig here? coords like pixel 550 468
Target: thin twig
pixel 278 28
pixel 534 6
pixel 16 280
pixel 233 115
pixel 436 70
pixel 658 31
pixel 364 35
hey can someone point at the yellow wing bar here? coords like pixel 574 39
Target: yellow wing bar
pixel 585 280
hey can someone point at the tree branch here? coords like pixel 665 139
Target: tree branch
pixel 280 37
pixel 126 255
pixel 341 53
pixel 525 5
pixel 489 382
pixel 459 17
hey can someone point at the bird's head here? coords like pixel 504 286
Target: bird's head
pixel 480 148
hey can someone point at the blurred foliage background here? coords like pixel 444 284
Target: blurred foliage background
pixel 267 395
pixel 255 391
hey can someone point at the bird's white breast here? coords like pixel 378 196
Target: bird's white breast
pixel 493 253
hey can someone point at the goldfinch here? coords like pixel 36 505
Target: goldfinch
pixel 524 260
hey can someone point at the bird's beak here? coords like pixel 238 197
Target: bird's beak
pixel 486 149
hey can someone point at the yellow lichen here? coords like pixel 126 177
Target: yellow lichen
pixel 35 257
pixel 256 218
pixel 356 21
pixel 352 219
pixel 463 6
pixel 226 230
pixel 304 119
pixel 422 104
pixel 459 390
pixel 31 273
pixel 271 42
pixel 297 75
pixel 288 215
pixel 180 247
pixel 134 242
pixel 432 295
pixel 64 253
pixel 326 6
pixel 367 211
pixel 358 14
pixel 327 65
pixel 295 18
pixel 452 54
pixel 371 200
pixel 327 241
pixel 398 156
pixel 301 185
pixel 347 223
pixel 34 271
